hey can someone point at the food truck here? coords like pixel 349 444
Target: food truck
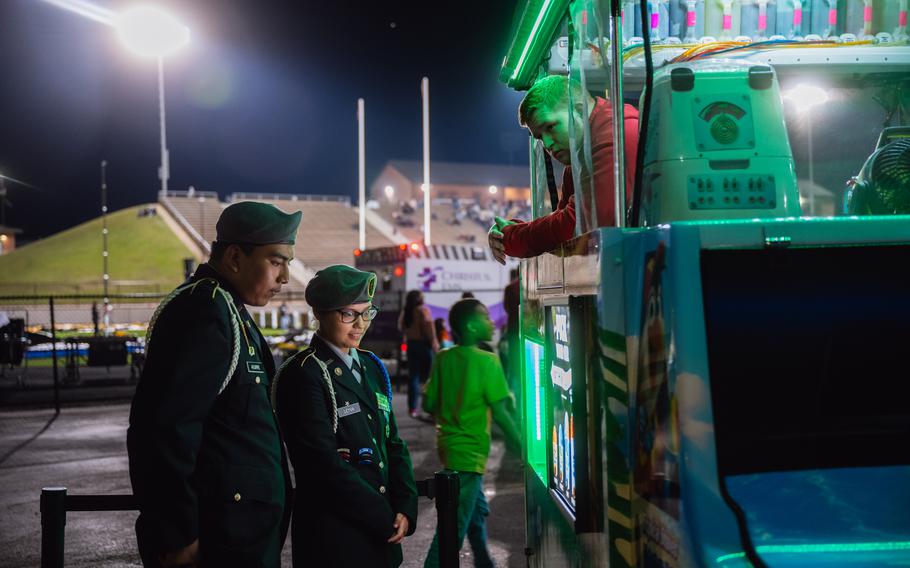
pixel 720 379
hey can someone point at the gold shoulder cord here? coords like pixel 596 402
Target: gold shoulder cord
pixel 236 328
pixel 309 352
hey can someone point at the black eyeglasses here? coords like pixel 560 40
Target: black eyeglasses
pixel 350 316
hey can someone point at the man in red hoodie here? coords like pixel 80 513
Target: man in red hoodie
pixel 545 112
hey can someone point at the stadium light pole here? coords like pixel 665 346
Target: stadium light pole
pixel 150 32
pixel 361 175
pixel 105 277
pixel 146 31
pixel 425 93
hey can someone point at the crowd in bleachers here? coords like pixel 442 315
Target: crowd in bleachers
pixel 457 220
pixel 471 211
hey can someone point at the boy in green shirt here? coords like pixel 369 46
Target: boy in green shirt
pixel 466 386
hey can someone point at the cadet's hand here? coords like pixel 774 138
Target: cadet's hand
pixel 401 529
pixel 185 557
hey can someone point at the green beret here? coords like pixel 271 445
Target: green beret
pixel 254 223
pixel 340 285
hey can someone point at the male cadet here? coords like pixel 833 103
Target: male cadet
pixel 546 113
pixel 356 497
pixel 206 458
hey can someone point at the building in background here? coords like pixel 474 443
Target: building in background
pixel 8 239
pixel 400 180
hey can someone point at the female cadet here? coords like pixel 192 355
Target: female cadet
pixel 356 497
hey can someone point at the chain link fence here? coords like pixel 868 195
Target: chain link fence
pixel 50 345
pixel 83 348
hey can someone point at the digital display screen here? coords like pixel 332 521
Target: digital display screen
pixel 535 409
pixel 563 427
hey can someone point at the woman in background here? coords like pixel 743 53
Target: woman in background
pixel 416 324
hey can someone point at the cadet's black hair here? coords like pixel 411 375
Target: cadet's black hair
pixel 460 314
pixel 219 248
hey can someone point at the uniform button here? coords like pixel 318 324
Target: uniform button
pixel 236 496
pixel 258 380
pixel 381 465
pixel 382 488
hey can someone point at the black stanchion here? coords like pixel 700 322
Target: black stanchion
pixel 101 503
pixel 54 505
pixel 53 523
pixel 448 488
pixel 445 489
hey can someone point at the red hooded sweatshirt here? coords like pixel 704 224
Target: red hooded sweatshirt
pixel 532 238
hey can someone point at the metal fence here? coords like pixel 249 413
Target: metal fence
pixel 51 343
pixel 118 287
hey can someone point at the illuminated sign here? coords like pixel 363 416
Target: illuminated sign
pixel 432 275
pixel 562 472
pixel 535 401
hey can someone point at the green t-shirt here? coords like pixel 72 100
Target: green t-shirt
pixel 464 383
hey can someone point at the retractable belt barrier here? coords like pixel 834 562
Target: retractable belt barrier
pixel 443 487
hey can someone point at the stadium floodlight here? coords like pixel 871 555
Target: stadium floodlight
pixel 151 32
pixel 147 31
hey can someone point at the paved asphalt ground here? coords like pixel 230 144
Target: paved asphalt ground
pixel 84 449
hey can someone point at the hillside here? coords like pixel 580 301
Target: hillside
pixel 145 256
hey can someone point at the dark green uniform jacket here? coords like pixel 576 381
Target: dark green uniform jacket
pixel 344 508
pixel 207 465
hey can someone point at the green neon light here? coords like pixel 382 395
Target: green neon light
pixel 534 405
pixel 820 549
pixel 527 48
pixel 537 393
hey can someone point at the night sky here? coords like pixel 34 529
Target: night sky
pixel 262 99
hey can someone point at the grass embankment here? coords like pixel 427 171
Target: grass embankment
pixel 145 256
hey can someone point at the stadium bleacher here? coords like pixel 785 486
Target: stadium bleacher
pixel 200 209
pixel 406 224
pixel 454 221
pixel 328 233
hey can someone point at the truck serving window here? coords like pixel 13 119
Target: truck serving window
pixel 808 356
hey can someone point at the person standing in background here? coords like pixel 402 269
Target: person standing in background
pixel 442 334
pixel 416 323
pixel 511 299
pixel 284 316
pixel 95 318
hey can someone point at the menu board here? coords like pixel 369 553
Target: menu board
pixel 562 472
